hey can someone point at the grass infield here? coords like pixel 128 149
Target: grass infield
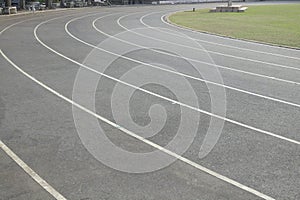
pixel 275 24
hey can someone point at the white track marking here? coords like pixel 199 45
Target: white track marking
pixel 224 38
pixel 213 52
pixel 30 13
pixel 20 162
pixel 27 169
pixel 189 76
pixel 146 91
pixel 168 152
pixel 214 65
pixel 46 186
pixel 214 43
pixel 8 27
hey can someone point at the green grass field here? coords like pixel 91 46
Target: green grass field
pixel 276 24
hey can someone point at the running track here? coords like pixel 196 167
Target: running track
pixel 133 50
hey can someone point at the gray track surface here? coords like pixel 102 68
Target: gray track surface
pixel 40 129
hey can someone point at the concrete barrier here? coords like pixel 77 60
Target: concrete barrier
pixel 10 10
pixel 233 8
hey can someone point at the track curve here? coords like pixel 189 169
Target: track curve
pixel 39 127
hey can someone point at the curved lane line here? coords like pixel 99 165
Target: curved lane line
pixel 34 17
pixel 46 186
pixel 220 66
pixel 213 52
pixel 149 92
pixel 185 160
pixel 27 169
pixel 214 43
pixel 146 91
pixel 222 37
pixel 189 76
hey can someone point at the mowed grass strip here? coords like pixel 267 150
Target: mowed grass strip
pixel 275 24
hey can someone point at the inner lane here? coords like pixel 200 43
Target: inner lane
pixel 263 84
pixel 241 52
pixel 230 60
pixel 246 111
pixel 203 37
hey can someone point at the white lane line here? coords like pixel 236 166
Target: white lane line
pixel 214 65
pixel 185 75
pixel 46 186
pixel 208 42
pixel 181 158
pixel 8 27
pixel 217 53
pixel 19 22
pixel 27 169
pixel 224 38
pixel 146 91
